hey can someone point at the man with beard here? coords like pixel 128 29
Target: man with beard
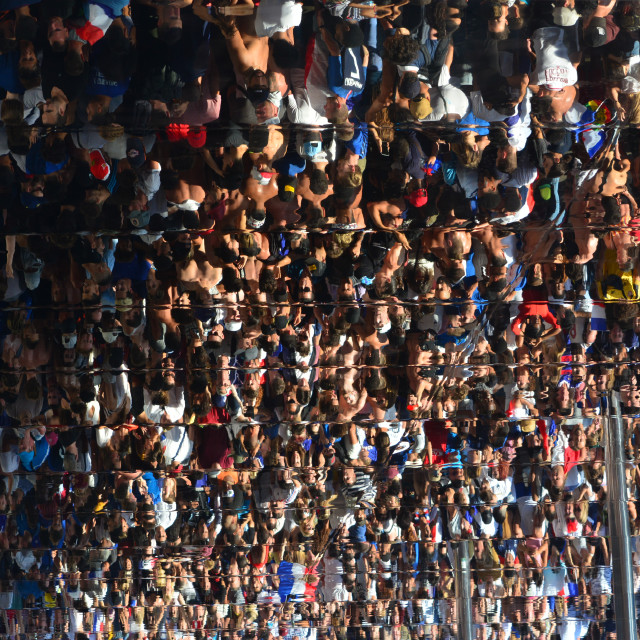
pixel 193 269
pixel 36 350
pixel 164 401
pixel 375 326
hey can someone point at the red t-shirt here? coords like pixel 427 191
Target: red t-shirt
pixel 571 459
pixel 533 309
pixel 437 433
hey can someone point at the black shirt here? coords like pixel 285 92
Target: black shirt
pixel 54 75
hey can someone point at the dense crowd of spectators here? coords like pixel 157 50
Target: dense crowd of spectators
pixel 302 300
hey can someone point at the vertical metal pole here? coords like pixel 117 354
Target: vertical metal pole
pixel 463 589
pixel 619 532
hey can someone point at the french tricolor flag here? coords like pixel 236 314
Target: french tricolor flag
pixel 98 622
pixel 295 584
pixel 98 19
pixel 598 317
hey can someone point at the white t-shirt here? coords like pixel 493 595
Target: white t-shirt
pixel 275 16
pixel 533 590
pixel 103 436
pixel 299 109
pixel 554 580
pixel 395 430
pixel 31 98
pixel 527 507
pixel 573 628
pixel 519 127
pixel 175 408
pixel 447 100
pixel 480 110
pixel 9 460
pixel 333 571
pixel 553 67
pixel 177 445
pixel 75 622
pixel 166 513
pixel 600 583
pixel 490 530
pixel 317 88
pixel 631 83
pixel 25 559
pixel 353 450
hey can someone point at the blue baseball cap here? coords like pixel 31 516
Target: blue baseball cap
pixel 312 148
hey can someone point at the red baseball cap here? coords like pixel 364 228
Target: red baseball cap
pixel 197 137
pixel 100 168
pixel 176 131
pixel 419 197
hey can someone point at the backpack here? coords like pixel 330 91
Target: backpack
pixel 416 15
pixel 430 70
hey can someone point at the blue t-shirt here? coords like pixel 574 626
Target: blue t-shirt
pixel 136 270
pixel 153 487
pixel 26 588
pixel 471 123
pixel 108 297
pixel 346 74
pixel 9 79
pixel 37 165
pixel 420 60
pixel 98 85
pixel 358 144
pixel 32 460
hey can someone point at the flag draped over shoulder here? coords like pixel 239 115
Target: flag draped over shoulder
pixel 295 585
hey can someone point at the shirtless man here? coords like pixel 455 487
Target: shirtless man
pixel 350 353
pixel 485 233
pixel 419 358
pixel 160 301
pixel 249 53
pixel 305 185
pixel 609 181
pixel 375 326
pixel 182 195
pixel 388 214
pixel 452 248
pixel 195 272
pixel 261 185
pixel 254 249
pixel 284 214
pixel 392 262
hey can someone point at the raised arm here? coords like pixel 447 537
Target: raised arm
pixel 238 52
